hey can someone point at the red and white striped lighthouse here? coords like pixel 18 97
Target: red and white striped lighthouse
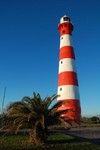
pixel 67 77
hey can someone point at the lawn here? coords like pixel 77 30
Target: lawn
pixel 54 142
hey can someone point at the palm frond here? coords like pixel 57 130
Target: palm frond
pixel 57 105
pixel 62 112
pixel 36 113
pixel 26 100
pixel 49 100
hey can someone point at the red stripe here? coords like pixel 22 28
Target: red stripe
pixel 65 28
pixel 67 78
pixel 67 52
pixel 75 112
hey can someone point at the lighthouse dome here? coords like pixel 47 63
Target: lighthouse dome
pixel 64 19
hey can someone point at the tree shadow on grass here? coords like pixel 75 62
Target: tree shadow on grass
pixel 63 141
pixel 95 141
pixel 76 138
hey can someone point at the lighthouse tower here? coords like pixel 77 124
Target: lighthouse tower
pixel 67 76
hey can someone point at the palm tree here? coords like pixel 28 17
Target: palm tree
pixel 35 114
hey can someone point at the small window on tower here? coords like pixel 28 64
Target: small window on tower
pixel 66 19
pixel 61 37
pixel 60 89
pixel 63 31
pixel 61 62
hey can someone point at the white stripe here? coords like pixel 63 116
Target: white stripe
pixel 66 40
pixel 68 92
pixel 67 64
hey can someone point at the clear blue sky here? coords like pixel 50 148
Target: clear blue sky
pixel 29 48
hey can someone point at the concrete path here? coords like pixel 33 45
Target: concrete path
pixel 90 134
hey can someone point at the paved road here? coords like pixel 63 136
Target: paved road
pixel 91 134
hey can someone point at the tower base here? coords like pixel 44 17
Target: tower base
pixel 74 110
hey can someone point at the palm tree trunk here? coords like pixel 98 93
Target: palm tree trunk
pixel 36 136
pixel 40 134
pixel 32 137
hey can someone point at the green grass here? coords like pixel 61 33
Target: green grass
pixel 59 137
pixel 55 142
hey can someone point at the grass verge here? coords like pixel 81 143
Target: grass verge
pixel 54 142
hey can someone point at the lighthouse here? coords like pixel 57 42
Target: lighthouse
pixel 68 90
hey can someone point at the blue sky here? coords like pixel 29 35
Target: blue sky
pixel 29 48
